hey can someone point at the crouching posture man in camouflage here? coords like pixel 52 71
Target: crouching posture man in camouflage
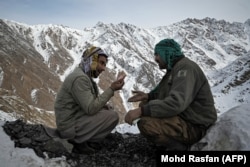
pixel 82 115
pixel 177 113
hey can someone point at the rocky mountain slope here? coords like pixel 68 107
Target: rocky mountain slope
pixel 35 60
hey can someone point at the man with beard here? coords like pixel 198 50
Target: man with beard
pixel 82 115
pixel 179 110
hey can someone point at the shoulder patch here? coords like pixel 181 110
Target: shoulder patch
pixel 182 73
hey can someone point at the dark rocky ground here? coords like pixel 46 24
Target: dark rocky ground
pixel 121 150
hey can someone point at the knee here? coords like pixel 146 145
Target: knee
pixel 144 125
pixel 141 124
pixel 112 116
pixel 116 117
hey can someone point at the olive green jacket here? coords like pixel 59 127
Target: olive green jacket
pixel 78 96
pixel 183 91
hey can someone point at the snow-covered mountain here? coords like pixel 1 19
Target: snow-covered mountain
pixel 36 59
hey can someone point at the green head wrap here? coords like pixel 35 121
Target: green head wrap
pixel 169 51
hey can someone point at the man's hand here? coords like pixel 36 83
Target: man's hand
pixel 139 96
pixel 121 74
pixel 132 115
pixel 118 84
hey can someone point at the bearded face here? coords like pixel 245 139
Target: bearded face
pixel 101 65
pixel 93 61
pixel 160 62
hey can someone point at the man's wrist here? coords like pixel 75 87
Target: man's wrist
pixel 112 88
pixel 139 111
pixel 145 110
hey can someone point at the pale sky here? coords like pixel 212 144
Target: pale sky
pixel 142 13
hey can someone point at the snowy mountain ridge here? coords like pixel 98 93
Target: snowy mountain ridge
pixel 37 58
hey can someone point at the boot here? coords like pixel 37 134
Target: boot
pixel 95 145
pixel 82 148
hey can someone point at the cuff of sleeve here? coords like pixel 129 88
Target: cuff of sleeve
pixel 145 110
pixel 111 91
pixel 149 97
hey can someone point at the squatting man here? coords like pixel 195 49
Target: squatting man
pixel 82 114
pixel 179 110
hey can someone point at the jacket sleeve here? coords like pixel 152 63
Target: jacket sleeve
pixel 183 91
pixel 84 95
